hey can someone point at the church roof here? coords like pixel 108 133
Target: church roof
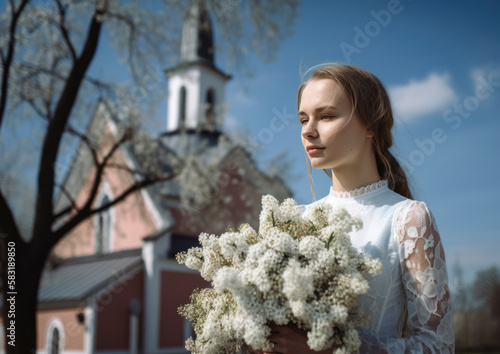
pixel 197 42
pixel 75 279
pixel 204 145
pixel 190 142
pixel 208 150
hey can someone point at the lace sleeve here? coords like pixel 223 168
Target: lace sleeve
pixel 429 319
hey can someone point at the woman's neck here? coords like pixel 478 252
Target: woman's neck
pixel 347 179
pixel 352 185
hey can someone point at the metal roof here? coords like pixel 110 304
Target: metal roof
pixel 81 277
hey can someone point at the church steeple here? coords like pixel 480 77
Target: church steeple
pixel 196 85
pixel 197 43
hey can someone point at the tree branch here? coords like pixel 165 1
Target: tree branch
pixel 64 31
pixel 100 170
pixel 38 110
pixel 85 213
pixel 55 74
pixel 42 70
pixel 133 188
pixel 100 85
pixel 87 142
pixel 70 198
pixel 7 61
pixel 48 101
pixel 8 224
pixel 125 137
pixel 131 42
pixel 125 168
pixel 62 213
pixel 44 203
pixel 31 72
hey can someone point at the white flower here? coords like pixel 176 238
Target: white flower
pixel 297 269
pixel 299 309
pixel 358 284
pixel 310 246
pixel 227 278
pixel 297 281
pixel 280 241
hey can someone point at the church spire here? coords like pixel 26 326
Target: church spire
pixel 196 85
pixel 197 42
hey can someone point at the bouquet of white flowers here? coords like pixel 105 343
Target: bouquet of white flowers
pixel 300 270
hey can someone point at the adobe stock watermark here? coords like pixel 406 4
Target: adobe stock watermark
pixel 364 35
pixel 454 115
pixel 139 93
pixel 265 136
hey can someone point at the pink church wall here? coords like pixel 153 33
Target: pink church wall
pixel 73 330
pixel 133 221
pixel 231 204
pixel 113 319
pixel 175 290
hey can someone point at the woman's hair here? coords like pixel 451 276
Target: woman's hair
pixel 370 101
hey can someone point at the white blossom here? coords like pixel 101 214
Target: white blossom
pixel 297 269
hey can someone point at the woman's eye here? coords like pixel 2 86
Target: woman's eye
pixel 327 116
pixel 303 121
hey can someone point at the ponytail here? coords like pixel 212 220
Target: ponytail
pixel 390 169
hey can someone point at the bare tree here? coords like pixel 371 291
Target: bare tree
pixel 46 49
pixel 461 308
pixel 486 292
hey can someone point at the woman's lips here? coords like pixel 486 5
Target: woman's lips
pixel 314 151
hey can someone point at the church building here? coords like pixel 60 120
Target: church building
pixel 113 285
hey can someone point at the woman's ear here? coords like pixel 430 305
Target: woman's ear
pixel 369 133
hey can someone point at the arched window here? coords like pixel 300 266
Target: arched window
pixel 55 343
pixel 182 108
pixel 55 337
pixel 210 108
pixel 103 227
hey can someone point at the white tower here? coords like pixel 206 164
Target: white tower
pixel 196 85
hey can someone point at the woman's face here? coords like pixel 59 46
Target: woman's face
pixel 333 136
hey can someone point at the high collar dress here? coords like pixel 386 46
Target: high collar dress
pixel 408 307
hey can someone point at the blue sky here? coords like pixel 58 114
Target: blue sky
pixel 441 64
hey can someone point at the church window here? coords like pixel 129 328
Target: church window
pixel 210 108
pixel 182 108
pixel 103 228
pixel 55 342
pixel 54 337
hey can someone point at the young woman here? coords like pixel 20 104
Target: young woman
pixel 346 120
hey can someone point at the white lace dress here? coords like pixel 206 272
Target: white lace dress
pixel 409 305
